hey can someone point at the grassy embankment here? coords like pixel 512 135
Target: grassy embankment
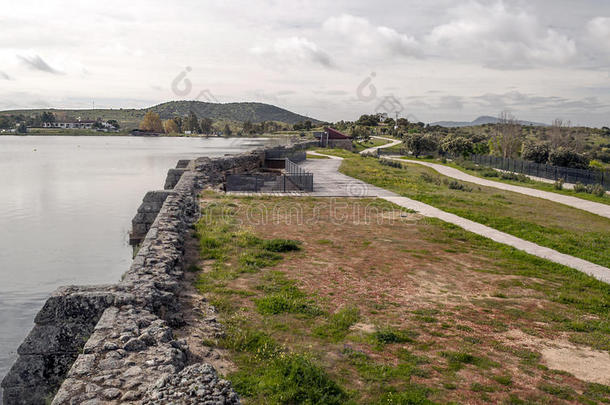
pixel 360 146
pixel 410 311
pixel 565 229
pixel 491 174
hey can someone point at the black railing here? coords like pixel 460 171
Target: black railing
pixel 567 174
pixel 295 173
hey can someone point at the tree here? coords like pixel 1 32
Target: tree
pixel 22 128
pixel 171 127
pixel 114 123
pixel 151 122
pixel 307 125
pixel 178 121
pixel 536 151
pixel 47 117
pixel 419 143
pixel 206 125
pixel 456 145
pixel 566 157
pixel 248 128
pixel 508 137
pixel 368 120
pixel 192 123
pixel 227 131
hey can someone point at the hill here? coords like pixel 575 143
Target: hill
pixel 481 121
pixel 254 112
pixel 130 117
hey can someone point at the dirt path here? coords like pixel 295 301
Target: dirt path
pixel 393 142
pixel 589 206
pixel 328 182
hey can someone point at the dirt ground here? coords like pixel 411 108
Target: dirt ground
pixel 401 271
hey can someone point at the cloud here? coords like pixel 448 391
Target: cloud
pixel 4 76
pixel 366 38
pixel 294 50
pixel 597 40
pixel 499 37
pixel 516 100
pixel 37 63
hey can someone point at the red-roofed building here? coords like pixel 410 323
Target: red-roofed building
pixel 331 138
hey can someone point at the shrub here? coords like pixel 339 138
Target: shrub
pixel 515 176
pixel 558 184
pixel 429 178
pixel 536 151
pixel 580 188
pixel 568 158
pixel 596 189
pixel 390 335
pixel 281 245
pixel 391 163
pixel 456 185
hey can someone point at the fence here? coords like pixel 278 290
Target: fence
pixel 568 174
pixel 294 179
pixel 295 173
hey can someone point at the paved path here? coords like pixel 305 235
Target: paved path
pixel 328 182
pixel 585 205
pixel 393 142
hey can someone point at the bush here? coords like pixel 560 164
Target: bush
pixel 429 178
pixel 536 151
pixel 515 176
pixel 390 335
pixel 596 189
pixel 580 188
pixel 568 158
pixel 391 163
pixel 558 184
pixel 456 185
pixel 281 245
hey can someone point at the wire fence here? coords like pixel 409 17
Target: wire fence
pixel 567 174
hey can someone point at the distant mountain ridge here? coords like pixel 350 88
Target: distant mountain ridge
pixel 130 117
pixel 244 111
pixel 485 119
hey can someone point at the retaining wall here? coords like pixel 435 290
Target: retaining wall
pixel 114 344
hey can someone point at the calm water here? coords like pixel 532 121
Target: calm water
pixel 66 205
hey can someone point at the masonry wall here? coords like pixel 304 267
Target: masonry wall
pixel 113 344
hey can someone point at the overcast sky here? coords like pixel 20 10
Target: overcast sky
pixel 432 60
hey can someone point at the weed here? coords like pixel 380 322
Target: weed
pixel 563 392
pixel 390 335
pixel 338 324
pixel 281 245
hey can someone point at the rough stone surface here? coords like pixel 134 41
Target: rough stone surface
pixel 114 344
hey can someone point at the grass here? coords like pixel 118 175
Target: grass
pixel 521 180
pixel 360 146
pixel 353 318
pixel 565 229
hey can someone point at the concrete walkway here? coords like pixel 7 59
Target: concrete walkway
pixel 393 142
pixel 328 182
pixel 585 205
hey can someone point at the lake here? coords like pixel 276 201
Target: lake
pixel 66 205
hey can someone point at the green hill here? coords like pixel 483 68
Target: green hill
pixel 241 112
pixel 130 117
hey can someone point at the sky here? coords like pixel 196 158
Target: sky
pixel 331 60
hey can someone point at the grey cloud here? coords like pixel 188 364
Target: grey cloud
pixel 37 63
pixel 4 76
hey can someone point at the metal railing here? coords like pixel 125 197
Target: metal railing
pixel 567 174
pixel 295 173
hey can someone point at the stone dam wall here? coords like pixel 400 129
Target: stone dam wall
pixel 114 344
